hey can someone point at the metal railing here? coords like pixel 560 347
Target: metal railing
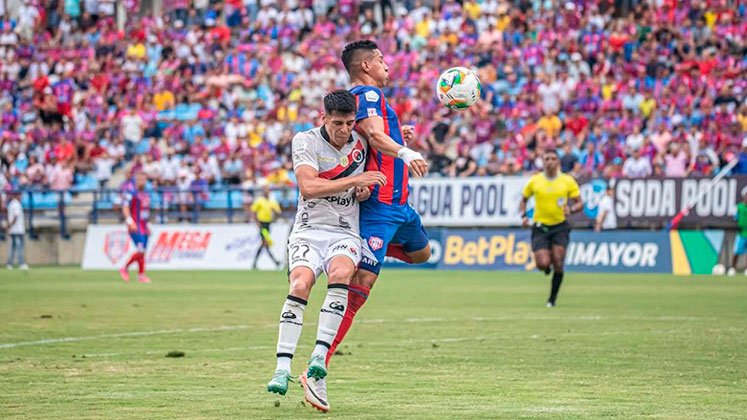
pixel 59 209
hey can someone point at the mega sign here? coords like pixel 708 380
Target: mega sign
pixel 185 247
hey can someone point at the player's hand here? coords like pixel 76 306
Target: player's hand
pixel 525 221
pixel 362 193
pixel 414 161
pixel 419 168
pixel 567 210
pixel 369 178
pixel 131 227
pixel 408 133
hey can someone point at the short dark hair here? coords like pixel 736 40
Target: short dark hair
pixel 341 102
pixel 351 52
pixel 552 151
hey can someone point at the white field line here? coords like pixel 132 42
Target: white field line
pixel 362 321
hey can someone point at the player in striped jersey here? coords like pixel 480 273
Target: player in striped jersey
pixel 136 211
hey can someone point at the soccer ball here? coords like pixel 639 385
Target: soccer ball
pixel 718 270
pixel 458 88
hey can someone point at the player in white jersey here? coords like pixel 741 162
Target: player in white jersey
pixel 329 165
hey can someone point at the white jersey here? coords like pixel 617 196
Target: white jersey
pixel 339 211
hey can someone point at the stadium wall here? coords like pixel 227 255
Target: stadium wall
pixel 50 248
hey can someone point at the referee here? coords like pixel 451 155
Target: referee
pixel 556 196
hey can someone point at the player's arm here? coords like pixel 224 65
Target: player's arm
pixel 575 204
pixel 600 219
pixel 129 221
pixel 373 129
pixel 312 186
pixel 526 194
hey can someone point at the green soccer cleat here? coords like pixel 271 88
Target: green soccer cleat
pixel 317 368
pixel 279 382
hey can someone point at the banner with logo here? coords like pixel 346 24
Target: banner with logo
pixel 186 247
pixel 657 200
pixel 611 251
pixel 484 201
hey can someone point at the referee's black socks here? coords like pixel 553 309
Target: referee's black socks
pixel 557 278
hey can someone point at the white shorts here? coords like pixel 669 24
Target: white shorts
pixel 315 248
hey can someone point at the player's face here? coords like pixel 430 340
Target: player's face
pixel 140 180
pixel 339 127
pixel 379 71
pixel 552 163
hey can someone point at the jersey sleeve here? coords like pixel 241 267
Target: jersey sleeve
pixel 529 188
pixel 304 152
pixel 370 101
pixel 573 191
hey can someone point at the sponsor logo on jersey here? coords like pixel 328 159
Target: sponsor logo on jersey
pixel 372 96
pixel 288 315
pixel 342 201
pixel 371 112
pixel 344 161
pixel 375 243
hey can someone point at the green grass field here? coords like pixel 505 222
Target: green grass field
pixel 453 345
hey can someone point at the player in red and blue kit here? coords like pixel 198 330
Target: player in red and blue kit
pixel 388 224
pixel 136 211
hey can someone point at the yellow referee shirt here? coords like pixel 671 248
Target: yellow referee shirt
pixel 265 209
pixel 550 196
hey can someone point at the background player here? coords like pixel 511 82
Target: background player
pixel 388 224
pixel 136 211
pixel 329 165
pixel 266 209
pixel 741 249
pixel 556 195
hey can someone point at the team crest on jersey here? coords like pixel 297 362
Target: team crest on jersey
pixel 116 245
pixel 371 112
pixel 372 96
pixel 375 243
pixel 344 161
pixel 358 156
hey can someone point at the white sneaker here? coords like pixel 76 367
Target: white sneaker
pixel 745 272
pixel 9 266
pixel 731 272
pixel 549 305
pixel 315 391
pixel 24 267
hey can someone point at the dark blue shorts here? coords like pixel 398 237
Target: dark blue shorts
pixel 140 240
pixel 383 224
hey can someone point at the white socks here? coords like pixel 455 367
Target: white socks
pixel 291 324
pixel 330 317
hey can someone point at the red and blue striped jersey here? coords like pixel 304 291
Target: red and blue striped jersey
pixel 372 103
pixel 139 204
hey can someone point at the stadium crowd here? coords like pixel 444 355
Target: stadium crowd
pixel 212 92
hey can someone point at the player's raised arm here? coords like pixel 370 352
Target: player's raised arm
pixel 373 129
